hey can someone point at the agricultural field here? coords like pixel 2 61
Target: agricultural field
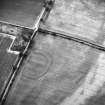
pixel 78 18
pixel 6 60
pixel 53 71
pixel 20 12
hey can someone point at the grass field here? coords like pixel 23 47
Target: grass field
pixel 54 69
pixel 20 12
pixel 6 60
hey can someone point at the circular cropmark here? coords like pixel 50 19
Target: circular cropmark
pixel 38 64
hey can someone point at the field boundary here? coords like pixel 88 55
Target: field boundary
pixel 13 39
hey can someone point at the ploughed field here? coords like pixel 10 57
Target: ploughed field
pixel 78 18
pixel 53 71
pixel 6 61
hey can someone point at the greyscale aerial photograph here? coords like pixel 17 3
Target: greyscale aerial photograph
pixel 52 52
